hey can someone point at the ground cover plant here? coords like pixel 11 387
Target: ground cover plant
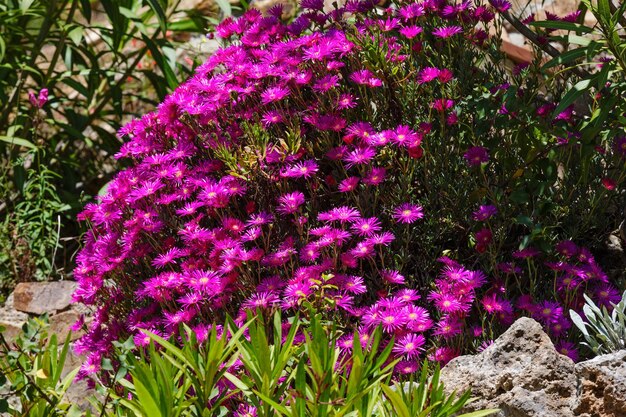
pixel 377 163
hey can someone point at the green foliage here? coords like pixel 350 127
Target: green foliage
pixel 425 397
pixel 31 370
pixel 101 63
pixel 604 332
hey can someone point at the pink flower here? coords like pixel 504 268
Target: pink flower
pixel 289 203
pixel 485 213
pixel 410 345
pixel 408 213
pixel 447 31
pixel 476 155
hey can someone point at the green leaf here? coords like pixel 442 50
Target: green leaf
pixel 155 5
pixel 566 57
pixel 18 141
pixel 399 406
pixel 557 24
pixel 576 91
pixel 224 5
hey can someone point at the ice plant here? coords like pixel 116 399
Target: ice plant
pixel 301 165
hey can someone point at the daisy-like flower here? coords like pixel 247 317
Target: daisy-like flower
pixel 427 74
pixel 274 94
pixel 272 117
pixel 366 227
pixel 392 320
pixel 408 213
pixel 384 238
pixel 410 32
pixel 410 345
pixel 500 5
pixel 476 155
pixel 549 311
pixel 362 250
pixel 326 83
pixel 526 253
pixel 353 284
pixel 392 276
pixel 303 169
pixel 408 367
pixel 568 349
pixel 405 136
pixel 361 130
pixel 448 326
pixel 447 31
pixel 168 257
pixel 261 300
pixel 443 355
pixel 407 295
pixel 375 176
pixel 342 214
pixel 567 248
pixel 346 101
pixel 349 184
pixel 289 203
pixel 485 213
pixel 359 156
pixel 606 295
pixel 446 302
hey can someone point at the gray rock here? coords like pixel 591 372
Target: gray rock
pixel 520 373
pixel 43 297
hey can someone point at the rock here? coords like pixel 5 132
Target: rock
pixel 603 386
pixel 520 373
pixel 60 324
pixel 43 297
pixel 11 320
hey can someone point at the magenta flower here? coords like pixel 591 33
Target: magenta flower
pixel 392 320
pixel 289 203
pixel 500 5
pixel 375 176
pixel 410 345
pixel 410 32
pixel 408 213
pixel 407 367
pixel 568 349
pixel 349 184
pixel 261 300
pixel 447 31
pixel 273 94
pixel 427 74
pixel 366 227
pixel 359 156
pixel 476 155
pixel 392 277
pixel 485 213
pixel 304 169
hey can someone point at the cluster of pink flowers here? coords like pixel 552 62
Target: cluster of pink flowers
pixel 276 175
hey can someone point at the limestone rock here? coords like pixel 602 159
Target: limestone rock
pixel 603 386
pixel 11 320
pixel 43 297
pixel 520 373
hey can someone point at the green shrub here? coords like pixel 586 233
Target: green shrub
pixel 31 372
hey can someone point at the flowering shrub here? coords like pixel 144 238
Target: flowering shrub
pixel 331 161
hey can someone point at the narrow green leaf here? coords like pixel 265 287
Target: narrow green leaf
pixel 576 91
pixel 557 24
pixel 18 141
